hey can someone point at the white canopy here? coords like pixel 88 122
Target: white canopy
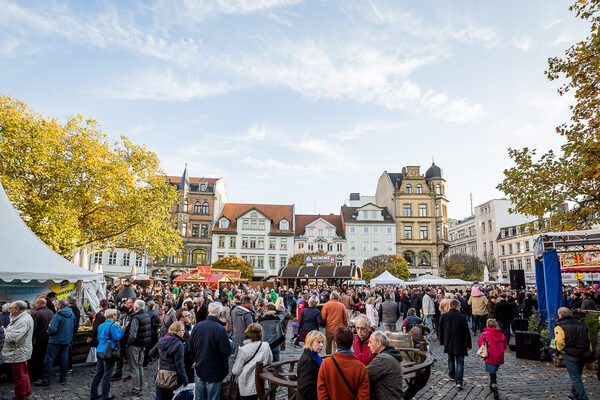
pixel 386 279
pixel 425 280
pixel 26 258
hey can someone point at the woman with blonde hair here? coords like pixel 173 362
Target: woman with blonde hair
pixel 171 351
pixel 254 350
pixel 308 366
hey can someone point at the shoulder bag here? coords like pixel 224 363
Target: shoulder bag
pixel 354 394
pixel 111 353
pixel 230 389
pixel 483 350
pixel 166 379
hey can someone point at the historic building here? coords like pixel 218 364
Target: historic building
pixel 262 234
pixel 200 200
pixel 463 236
pixel 515 249
pixel 419 206
pixel 325 233
pixel 117 263
pixel 370 231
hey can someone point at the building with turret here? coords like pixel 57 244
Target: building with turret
pixel 419 206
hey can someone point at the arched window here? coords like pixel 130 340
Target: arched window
pixel 408 189
pixel 284 225
pixel 185 206
pixel 197 207
pixel 199 257
pixel 205 208
pixel 181 257
pixel 419 189
pixel 224 223
pixel 409 256
pixel 424 258
pixel 438 189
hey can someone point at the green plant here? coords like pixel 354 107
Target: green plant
pixel 591 323
pixel 533 324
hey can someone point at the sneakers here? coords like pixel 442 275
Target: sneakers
pixel 459 387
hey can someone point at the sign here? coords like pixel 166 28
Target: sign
pixel 579 275
pixel 570 278
pixel 63 289
pixel 319 259
pixel 580 258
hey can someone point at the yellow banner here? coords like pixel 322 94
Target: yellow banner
pixel 63 289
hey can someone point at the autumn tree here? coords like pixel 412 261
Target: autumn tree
pixel 539 185
pixel 462 266
pixel 234 263
pixel 376 265
pixel 76 189
pixel 297 260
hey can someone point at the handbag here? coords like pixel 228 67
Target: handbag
pixel 166 379
pixel 230 390
pixel 483 350
pixel 111 353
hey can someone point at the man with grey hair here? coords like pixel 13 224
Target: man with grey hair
pixel 17 347
pixel 334 316
pixel 361 341
pixel 385 370
pixel 138 334
pixel 41 320
pixel 388 313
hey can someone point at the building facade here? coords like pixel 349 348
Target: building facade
pixel 325 233
pixel 262 234
pixel 515 249
pixel 490 217
pixel 370 231
pixel 117 263
pixel 199 201
pixel 463 236
pixel 419 207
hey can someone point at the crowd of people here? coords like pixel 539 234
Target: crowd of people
pixel 209 336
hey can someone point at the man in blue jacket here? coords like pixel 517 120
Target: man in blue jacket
pixel 60 331
pixel 211 348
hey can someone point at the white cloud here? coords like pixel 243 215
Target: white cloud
pixel 563 38
pixel 256 132
pixel 523 43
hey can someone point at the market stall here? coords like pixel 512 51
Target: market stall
pixel 386 278
pixel 209 276
pixel 434 280
pixel 338 275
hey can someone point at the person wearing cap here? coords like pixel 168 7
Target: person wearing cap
pixel 478 303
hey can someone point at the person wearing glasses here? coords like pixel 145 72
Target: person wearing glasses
pixel 18 347
pixel 170 349
pixel 361 341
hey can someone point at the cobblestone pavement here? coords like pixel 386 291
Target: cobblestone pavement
pixel 517 379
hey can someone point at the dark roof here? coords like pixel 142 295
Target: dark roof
pixel 349 212
pixel 322 272
pixel 333 219
pixel 434 172
pixel 395 178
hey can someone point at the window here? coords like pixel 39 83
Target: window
pixel 203 187
pixel 375 229
pixel 204 231
pixel 311 247
pixel 329 246
pixel 408 189
pixel 504 266
pixel 252 260
pixel 221 242
pixel 254 215
pixel 519 264
pixel 419 189
pixel 373 214
pixel 364 215
pixel 330 232
pixel 518 249
pixel 320 232
pixel 407 210
pixel 483 227
pixel 409 256
pixel 245 242
pixel 139 261
pixel 437 210
pixel 438 189
pixel 245 224
pixel 311 232
pixel 253 224
pixel 389 246
pixel 352 263
pixel 473 248
pixel 181 257
pixel 284 225
pixel 366 229
pixel 185 206
pixel 272 244
pixel 424 258
pixel 527 245
pixel 205 208
pixel 407 232
pixel 528 264
pixel 272 262
pixel 126 259
pixel 195 230
pixel 366 245
pixel 502 250
pixel 97 258
pixel 232 242
pixel 375 245
pixel 389 229
pixel 320 246
pixel 224 223
pixel 352 229
pixel 184 229
pixel 261 243
pixel 339 247
pixel 510 249
pixel 490 225
pixel 512 264
pixel 491 248
pixel 300 245
pixel 197 207
pixel 199 257
pixel 282 261
pixel 283 244
pixel 422 210
pixel 352 245
pixel 423 232
pixel 261 225
pixel 260 262
pixel 252 242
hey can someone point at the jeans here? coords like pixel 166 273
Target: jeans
pixel 104 371
pixel 479 322
pixel 457 372
pixel 505 328
pixel 56 350
pixel 428 321
pixel 207 390
pixel 575 369
pixel 135 360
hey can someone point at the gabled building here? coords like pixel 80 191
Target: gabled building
pixel 370 231
pixel 321 232
pixel 419 206
pixel 199 201
pixel 262 234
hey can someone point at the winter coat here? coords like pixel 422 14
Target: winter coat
pixel 496 344
pixel 2 345
pixel 330 384
pixel 166 320
pixel 41 320
pixel 245 363
pixel 308 372
pixel 61 328
pixel 373 315
pixel 454 333
pixel 211 349
pixel 171 352
pixel 417 335
pixel 478 305
pixel 98 320
pixel 18 339
pixel 362 353
pixel 310 320
pixel 77 315
pixel 385 375
pixel 272 332
pixel 588 304
pixel 428 306
pixel 334 315
pixel 490 309
pixel 411 321
pixel 389 312
pixel 139 330
pixel 154 325
pixel 503 312
pixel 241 317
pixel 116 334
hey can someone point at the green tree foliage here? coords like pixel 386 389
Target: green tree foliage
pixel 75 188
pixel 376 265
pixel 539 185
pixel 234 263
pixel 462 266
pixel 297 260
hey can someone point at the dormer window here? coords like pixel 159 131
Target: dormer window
pixel 254 215
pixel 203 187
pixel 224 223
pixel 284 225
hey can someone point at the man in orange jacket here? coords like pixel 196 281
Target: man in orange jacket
pixel 334 316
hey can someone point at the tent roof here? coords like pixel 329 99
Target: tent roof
pixel 436 280
pixel 25 257
pixel 386 278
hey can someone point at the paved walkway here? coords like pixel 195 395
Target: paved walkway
pixel 517 379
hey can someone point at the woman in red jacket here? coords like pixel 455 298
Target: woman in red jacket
pixel 496 344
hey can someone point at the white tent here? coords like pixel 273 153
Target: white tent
pixel 436 280
pixel 386 279
pixel 28 266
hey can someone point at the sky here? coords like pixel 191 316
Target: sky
pixel 301 102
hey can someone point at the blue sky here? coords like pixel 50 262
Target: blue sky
pixel 301 101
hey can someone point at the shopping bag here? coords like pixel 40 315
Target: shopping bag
pixel 91 357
